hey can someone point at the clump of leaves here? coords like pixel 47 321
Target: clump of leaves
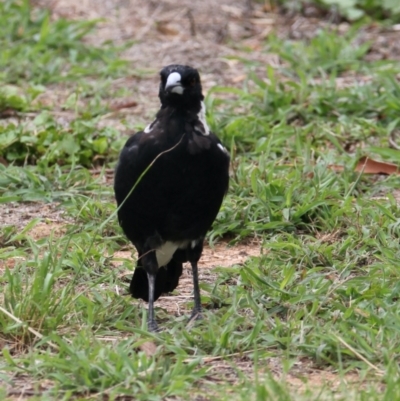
pixel 11 100
pixel 82 142
pixel 352 9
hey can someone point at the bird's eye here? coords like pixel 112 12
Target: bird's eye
pixel 192 82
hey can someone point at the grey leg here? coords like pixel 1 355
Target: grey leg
pixel 151 322
pixel 196 313
pixel 149 262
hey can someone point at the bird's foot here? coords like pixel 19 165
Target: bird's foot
pixel 152 326
pixel 196 315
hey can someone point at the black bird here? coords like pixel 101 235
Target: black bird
pixel 169 184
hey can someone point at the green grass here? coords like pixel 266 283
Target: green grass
pixel 41 51
pixel 321 298
pixel 349 9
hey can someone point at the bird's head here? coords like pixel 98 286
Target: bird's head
pixel 180 86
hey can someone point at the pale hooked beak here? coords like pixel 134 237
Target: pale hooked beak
pixel 173 84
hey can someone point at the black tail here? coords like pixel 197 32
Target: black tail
pixel 167 280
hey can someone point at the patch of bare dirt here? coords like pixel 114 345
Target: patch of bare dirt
pixel 45 230
pixel 50 221
pixel 19 214
pixel 9 263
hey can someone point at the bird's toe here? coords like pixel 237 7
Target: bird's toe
pixel 196 315
pixel 152 326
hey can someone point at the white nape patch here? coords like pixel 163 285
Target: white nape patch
pixel 223 149
pixel 193 244
pixel 174 79
pixel 202 118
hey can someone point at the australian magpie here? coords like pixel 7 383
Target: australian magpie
pixel 169 184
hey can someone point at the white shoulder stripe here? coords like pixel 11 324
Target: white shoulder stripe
pixel 150 127
pixel 223 149
pixel 202 119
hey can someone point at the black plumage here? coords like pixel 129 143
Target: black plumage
pixel 169 185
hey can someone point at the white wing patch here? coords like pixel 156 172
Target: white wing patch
pixel 165 253
pixel 167 250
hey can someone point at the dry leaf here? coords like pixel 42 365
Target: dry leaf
pixel 122 104
pixel 334 167
pixel 253 44
pixel 233 11
pixel 268 7
pixel 149 348
pixel 369 166
pixel 7 113
pixel 162 27
pixel 3 161
pixel 239 78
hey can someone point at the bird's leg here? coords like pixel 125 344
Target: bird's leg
pixel 196 312
pixel 151 322
pixel 150 265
